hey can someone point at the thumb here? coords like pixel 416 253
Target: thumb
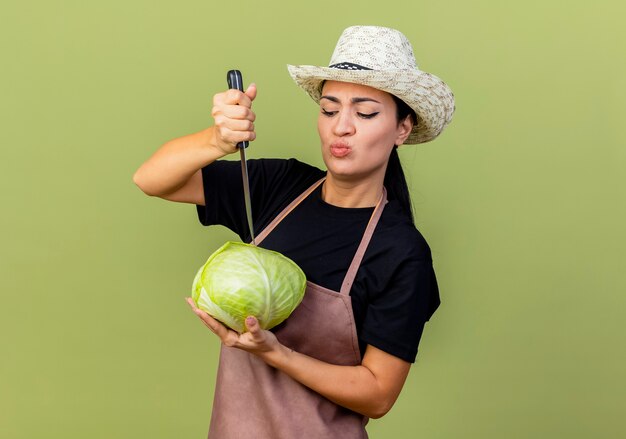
pixel 252 324
pixel 251 91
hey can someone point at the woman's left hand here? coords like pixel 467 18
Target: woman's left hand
pixel 256 340
pixel 370 388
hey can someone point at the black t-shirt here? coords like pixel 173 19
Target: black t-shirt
pixel 395 291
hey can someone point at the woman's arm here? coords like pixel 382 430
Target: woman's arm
pixel 370 388
pixel 172 166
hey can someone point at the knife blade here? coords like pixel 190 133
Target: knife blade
pixel 236 81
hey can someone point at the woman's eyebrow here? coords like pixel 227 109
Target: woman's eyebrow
pixel 353 100
pixel 357 100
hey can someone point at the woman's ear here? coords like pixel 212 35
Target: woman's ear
pixel 404 129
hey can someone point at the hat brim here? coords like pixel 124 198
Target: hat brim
pixel 430 98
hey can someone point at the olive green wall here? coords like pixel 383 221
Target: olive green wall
pixel 522 200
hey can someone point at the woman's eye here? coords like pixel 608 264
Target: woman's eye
pixel 367 115
pixel 328 113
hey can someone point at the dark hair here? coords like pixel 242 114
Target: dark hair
pixel 395 181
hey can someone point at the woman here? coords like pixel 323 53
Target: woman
pixel 342 357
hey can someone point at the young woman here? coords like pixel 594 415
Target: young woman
pixel 343 356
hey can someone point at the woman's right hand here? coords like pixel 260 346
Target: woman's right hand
pixel 234 118
pixel 173 171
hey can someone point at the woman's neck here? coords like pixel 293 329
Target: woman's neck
pixel 351 194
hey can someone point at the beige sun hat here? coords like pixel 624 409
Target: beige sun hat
pixel 382 58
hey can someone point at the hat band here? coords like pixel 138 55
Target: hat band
pixel 348 66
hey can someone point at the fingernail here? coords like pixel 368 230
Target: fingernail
pixel 250 321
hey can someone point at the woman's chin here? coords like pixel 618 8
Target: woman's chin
pixel 340 168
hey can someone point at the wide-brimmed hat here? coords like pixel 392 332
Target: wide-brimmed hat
pixel 382 58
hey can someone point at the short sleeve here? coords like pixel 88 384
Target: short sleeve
pixel 395 318
pixel 273 184
pixel 223 195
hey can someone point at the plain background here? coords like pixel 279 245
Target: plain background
pixel 522 200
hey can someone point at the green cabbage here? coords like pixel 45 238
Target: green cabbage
pixel 241 280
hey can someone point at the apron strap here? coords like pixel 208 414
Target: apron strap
pixel 360 252
pixel 266 231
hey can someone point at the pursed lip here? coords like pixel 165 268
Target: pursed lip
pixel 340 149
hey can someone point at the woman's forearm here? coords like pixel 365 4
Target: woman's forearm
pixel 173 164
pixel 357 388
pixel 370 388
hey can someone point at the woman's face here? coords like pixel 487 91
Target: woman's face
pixel 358 128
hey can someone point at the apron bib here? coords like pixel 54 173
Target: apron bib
pixel 254 400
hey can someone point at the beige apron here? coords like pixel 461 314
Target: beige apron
pixel 254 400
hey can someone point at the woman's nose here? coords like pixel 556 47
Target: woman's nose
pixel 344 124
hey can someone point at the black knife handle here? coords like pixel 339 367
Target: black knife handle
pixel 236 81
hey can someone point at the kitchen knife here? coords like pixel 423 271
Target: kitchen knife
pixel 235 81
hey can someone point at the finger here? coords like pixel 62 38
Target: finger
pixel 236 112
pixel 236 97
pixel 190 302
pixel 235 137
pixel 201 314
pixel 236 124
pixel 252 324
pixel 206 319
pixel 251 91
pixel 209 321
pixel 224 333
pixel 229 97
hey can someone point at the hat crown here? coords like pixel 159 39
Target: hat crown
pixel 375 48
